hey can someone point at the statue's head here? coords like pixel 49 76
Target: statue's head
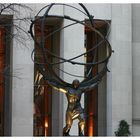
pixel 75 83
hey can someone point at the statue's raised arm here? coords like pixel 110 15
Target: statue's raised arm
pixel 89 84
pixel 89 87
pixel 52 81
pixel 57 86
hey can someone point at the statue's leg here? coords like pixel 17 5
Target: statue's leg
pixel 81 127
pixel 81 124
pixel 69 121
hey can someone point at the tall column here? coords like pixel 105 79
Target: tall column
pixel 22 82
pixel 119 80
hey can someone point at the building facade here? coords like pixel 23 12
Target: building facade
pixel 117 96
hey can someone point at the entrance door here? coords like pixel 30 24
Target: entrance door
pixel 94 102
pixel 91 97
pixel 42 91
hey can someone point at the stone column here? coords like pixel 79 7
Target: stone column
pixel 22 82
pixel 119 80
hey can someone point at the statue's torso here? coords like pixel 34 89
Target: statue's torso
pixel 73 97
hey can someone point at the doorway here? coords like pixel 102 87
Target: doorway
pixel 95 100
pixel 42 91
pixel 5 75
pixel 47 101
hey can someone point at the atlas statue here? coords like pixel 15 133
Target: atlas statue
pixel 46 69
pixel 74 109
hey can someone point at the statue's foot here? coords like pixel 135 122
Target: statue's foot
pixel 66 134
pixel 81 134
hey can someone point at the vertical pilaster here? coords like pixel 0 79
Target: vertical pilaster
pixel 23 80
pixel 119 80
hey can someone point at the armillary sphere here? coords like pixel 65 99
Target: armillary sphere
pixel 47 68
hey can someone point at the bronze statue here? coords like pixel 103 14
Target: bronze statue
pixel 74 109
